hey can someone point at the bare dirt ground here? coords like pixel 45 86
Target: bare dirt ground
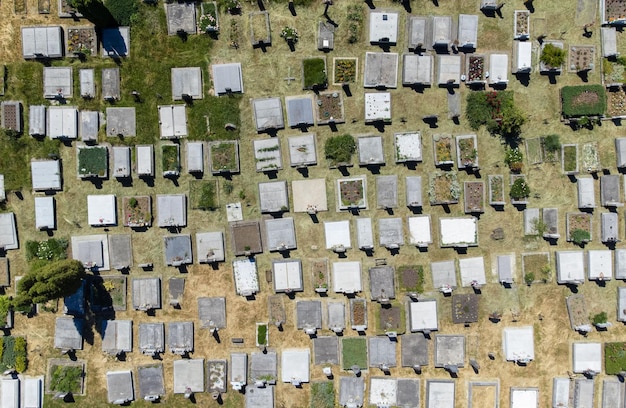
pixel 539 100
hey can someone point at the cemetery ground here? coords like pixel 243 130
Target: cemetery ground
pixel 147 70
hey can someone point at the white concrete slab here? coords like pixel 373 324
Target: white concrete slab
pixel 295 365
pixel 346 277
pixel 337 234
pixel 600 264
pixel 587 356
pixel 472 270
pixel 518 343
pixel 101 210
pixel 423 315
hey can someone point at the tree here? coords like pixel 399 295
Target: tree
pixel 49 281
pixel 552 56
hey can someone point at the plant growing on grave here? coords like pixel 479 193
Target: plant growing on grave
pixel 355 22
pixel 540 227
pixel 552 56
pixel 290 34
pixel 546 273
pixel 600 318
pixel 583 100
pixel 345 71
pixel 520 189
pixel 232 6
pixel 514 159
pixel 208 21
pixel 339 149
pixel 66 378
pixel 228 187
pixel 261 335
pixel 529 278
pixel 579 236
pixel 314 70
pixel 552 143
pixel 497 111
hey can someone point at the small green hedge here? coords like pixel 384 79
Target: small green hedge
pixel 583 100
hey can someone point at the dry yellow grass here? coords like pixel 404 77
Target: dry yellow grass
pixel 263 76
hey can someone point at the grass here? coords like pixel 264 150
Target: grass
pixel 534 150
pixel 614 357
pixel 93 161
pixel 314 70
pixel 224 157
pixel 354 352
pixel 583 100
pixel 536 265
pixel 340 149
pixel 570 158
pixel 51 249
pixel 322 394
pixel 66 378
pixel 221 111
pixel 171 158
pixel 261 334
pixel 412 278
pixel 203 195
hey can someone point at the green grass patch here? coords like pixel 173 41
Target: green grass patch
pixel 354 352
pixel 221 110
pixel 614 357
pixel 13 350
pixel 323 394
pixel 170 158
pixel 583 100
pixel 203 195
pixel 261 334
pixel 570 158
pixel 314 70
pixel 93 161
pixel 66 378
pixel 339 149
pixel 50 250
pixel 534 150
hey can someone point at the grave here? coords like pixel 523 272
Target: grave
pixel 352 193
pixel 326 350
pixel 37 120
pixel 390 234
pixel 612 393
pixel 448 70
pixel 210 247
pixel 440 394
pixel 423 316
pixel 414 192
pixel 260 397
pixel 381 70
pixel 227 79
pixel 417 70
pixel 351 391
pixel 418 33
pixel 346 277
pixel 309 315
pixel 506 268
pixel 246 279
pixel 57 82
pixel 518 344
pixel 458 231
pixel 609 42
pixel 146 293
pixel 377 107
pixel 587 357
pixel 302 150
pixel 111 84
pixel 151 338
pixel 180 339
pixel 300 111
pixel 408 147
pixel 499 65
pixel 68 333
pixel 171 210
pixel 267 155
pixel 468 32
pixel 188 376
pixel 187 81
pixel 116 42
pixel 465 308
pixel 195 158
pixel 46 175
pixel 89 127
pixel 287 276
pixel 121 251
pixel 309 195
pixel 295 366
pixel 45 218
pixel 337 235
pixel 177 250
pixel 522 57
pixel 444 275
pixel 524 397
pixel 441 33
pixel 92 251
pixel 414 351
pixel 382 284
pixel 151 382
pixel 370 150
pixel 600 264
pixel 172 121
pixel 62 122
pixel 246 237
pixel 570 267
pixel 117 337
pixel 120 388
pixel 364 234
pixel 420 231
pixel 609 229
pixel 325 36
pixel 181 18
pixel 561 392
pixel 176 290
pixel 472 272
pixel 216 372
pixel 336 316
pixel 101 210
pixel 383 392
pixel 551 221
pixel 268 114
pixel 387 191
pixel 212 312
pixel 145 160
pixel 263 369
pixel 273 197
pixel 238 370
pixel 12 116
pixel 610 190
pixel 87 83
pixel 42 42
pixel 120 121
pixel 449 350
pixel 383 28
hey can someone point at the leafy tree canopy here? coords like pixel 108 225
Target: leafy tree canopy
pixel 50 281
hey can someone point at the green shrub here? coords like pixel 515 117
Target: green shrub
pixel 583 100
pixel 520 189
pixel 49 250
pixel 122 10
pixel 66 378
pixel 20 364
pixel 600 318
pixel 552 143
pixel 496 111
pixel 355 23
pixel 579 236
pixel 552 56
pixel 339 149
pixel 529 278
pixel 261 334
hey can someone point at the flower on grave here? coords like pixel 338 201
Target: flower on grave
pixel 290 34
pixel 233 5
pixel 208 22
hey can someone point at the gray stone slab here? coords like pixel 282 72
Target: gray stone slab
pixel 302 150
pixel 326 350
pixel 187 81
pixel 260 397
pixel 263 367
pixel 120 251
pixel 382 284
pixel 57 81
pixel 68 333
pixel 417 69
pixel 609 227
pixel 273 197
pixel 267 155
pixel 444 274
pixel 609 41
pixel 120 121
pixel 351 391
pixel 408 393
pixel 120 387
pixel 449 350
pixel 370 150
pixel 146 293
pixel 387 191
pixel 268 113
pixel 281 234
pixel 583 393
pixel 177 250
pixel 181 17
pixel 381 70
pixel 212 312
pixel 180 337
pixel 414 191
pixel 188 375
pixel 325 36
pixel 336 316
pixel 176 288
pixel 383 27
pixel 390 232
pixel 620 263
pixel 414 350
pixel 441 31
pixel 300 111
pixel 150 381
pixel 586 192
pixel 454 105
pixel 551 221
pixel 419 32
pixel 309 314
pixel 111 83
pixel 531 217
pixel 151 338
pixel 610 190
pixel 42 42
pixel 612 394
pixel 381 351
